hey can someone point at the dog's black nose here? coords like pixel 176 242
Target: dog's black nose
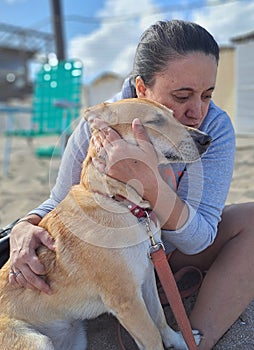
pixel 200 138
pixel 204 140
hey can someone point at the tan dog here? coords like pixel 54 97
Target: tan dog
pixel 101 262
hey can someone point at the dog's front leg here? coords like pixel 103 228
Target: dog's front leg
pixel 132 313
pixel 169 336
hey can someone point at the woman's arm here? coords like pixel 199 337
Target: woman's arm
pixel 138 166
pixel 189 217
pixel 204 186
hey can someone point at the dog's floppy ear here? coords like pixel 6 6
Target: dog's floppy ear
pixel 102 111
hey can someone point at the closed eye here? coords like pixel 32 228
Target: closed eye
pixel 158 120
pixel 181 99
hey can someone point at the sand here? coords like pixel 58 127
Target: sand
pixel 28 183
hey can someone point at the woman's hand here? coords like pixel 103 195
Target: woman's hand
pixel 126 162
pixel 25 238
pixel 137 166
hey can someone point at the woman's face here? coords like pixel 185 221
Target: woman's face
pixel 185 86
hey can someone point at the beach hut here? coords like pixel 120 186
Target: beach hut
pixel 103 88
pixel 224 93
pixel 244 75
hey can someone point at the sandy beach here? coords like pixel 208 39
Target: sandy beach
pixel 30 178
pixel 28 184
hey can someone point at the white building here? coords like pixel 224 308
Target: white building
pixel 244 83
pixel 102 88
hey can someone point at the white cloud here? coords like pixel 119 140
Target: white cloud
pixel 123 62
pixel 100 50
pixel 227 21
pixel 111 47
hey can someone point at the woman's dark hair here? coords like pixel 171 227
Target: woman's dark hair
pixel 166 40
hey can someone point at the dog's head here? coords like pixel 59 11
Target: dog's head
pixel 172 141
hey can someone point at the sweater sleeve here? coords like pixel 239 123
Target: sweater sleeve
pixel 70 168
pixel 204 187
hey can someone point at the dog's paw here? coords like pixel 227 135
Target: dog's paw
pixel 179 343
pixel 197 336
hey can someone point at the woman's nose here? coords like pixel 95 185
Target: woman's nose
pixel 196 110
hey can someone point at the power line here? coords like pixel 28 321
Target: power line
pixel 162 9
pixel 188 6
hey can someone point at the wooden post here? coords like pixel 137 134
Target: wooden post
pixel 58 29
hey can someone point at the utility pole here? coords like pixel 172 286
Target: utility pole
pixel 58 29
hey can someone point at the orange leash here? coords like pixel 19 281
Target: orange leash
pixel 169 285
pixel 167 280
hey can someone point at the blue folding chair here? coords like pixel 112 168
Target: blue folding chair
pixel 56 104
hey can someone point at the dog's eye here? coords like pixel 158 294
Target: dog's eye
pixel 158 120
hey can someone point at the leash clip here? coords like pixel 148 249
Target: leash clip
pixel 154 246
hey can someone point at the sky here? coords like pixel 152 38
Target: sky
pixel 104 33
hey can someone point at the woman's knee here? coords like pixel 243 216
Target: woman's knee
pixel 237 218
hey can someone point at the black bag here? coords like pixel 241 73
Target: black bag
pixel 5 243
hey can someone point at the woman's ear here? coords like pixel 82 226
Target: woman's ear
pixel 140 87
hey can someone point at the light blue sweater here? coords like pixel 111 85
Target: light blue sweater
pixel 203 185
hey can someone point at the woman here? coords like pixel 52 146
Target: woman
pixel 176 65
